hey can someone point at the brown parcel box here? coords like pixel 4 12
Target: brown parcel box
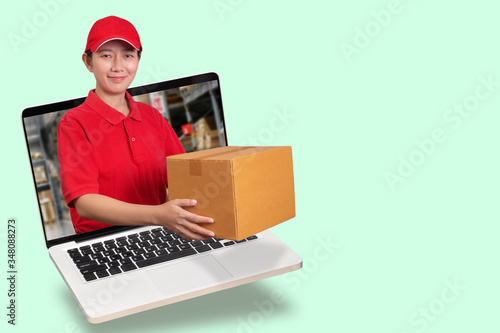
pixel 244 189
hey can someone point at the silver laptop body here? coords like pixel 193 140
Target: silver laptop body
pixel 211 266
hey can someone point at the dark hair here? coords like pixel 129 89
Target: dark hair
pixel 89 53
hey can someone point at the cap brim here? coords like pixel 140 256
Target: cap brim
pixel 115 38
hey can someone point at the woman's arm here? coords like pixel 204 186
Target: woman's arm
pixel 170 215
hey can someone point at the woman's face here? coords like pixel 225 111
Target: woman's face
pixel 114 66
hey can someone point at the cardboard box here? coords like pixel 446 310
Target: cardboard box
pixel 244 189
pixel 40 174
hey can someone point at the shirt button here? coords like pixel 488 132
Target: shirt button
pixel 133 139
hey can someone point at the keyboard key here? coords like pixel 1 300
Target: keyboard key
pixel 229 243
pixel 84 247
pixel 196 243
pixel 89 277
pixel 172 249
pixel 73 250
pixel 203 248
pixel 97 255
pixel 119 239
pixel 139 251
pixel 162 245
pixel 208 241
pixel 103 260
pixel 114 270
pixel 97 244
pixel 121 250
pixel 144 233
pixel 110 246
pixel 155 230
pixel 161 252
pixel 167 238
pixel 101 274
pixel 185 246
pixel 241 241
pixel 127 254
pixel 157 234
pixel 132 247
pixel 99 248
pixel 216 245
pixel 143 244
pixel 252 237
pixel 145 238
pixel 134 240
pixel 149 255
pixel 113 264
pixel 122 243
pixel 81 259
pixel 75 254
pixel 174 242
pixel 86 264
pixel 129 266
pixel 133 236
pixel 87 251
pixel 125 261
pixel 137 258
pixel 166 257
pixel 92 269
pixel 150 248
pixel 156 241
pixel 109 241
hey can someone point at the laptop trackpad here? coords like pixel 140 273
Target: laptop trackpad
pixel 189 275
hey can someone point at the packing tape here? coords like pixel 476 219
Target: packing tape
pixel 225 152
pixel 195 168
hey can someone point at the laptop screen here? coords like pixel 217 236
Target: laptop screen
pixel 192 105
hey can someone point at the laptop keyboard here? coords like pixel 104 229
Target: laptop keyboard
pixel 139 250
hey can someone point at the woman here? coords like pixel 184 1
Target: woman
pixel 112 150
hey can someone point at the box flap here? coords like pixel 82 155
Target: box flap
pixel 221 153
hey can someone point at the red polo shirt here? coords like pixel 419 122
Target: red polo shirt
pixel 102 151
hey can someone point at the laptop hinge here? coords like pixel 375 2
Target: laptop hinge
pixel 102 233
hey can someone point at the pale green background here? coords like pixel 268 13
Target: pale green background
pixel 349 123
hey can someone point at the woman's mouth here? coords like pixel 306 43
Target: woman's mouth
pixel 117 78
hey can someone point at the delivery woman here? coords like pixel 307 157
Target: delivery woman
pixel 112 150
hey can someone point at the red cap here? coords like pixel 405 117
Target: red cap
pixel 111 28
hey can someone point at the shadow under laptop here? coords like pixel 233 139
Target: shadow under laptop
pixel 234 307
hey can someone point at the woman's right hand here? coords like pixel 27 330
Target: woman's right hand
pixel 174 217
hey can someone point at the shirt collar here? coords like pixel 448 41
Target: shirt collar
pixel 109 113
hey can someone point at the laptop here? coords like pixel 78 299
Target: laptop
pixel 117 271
